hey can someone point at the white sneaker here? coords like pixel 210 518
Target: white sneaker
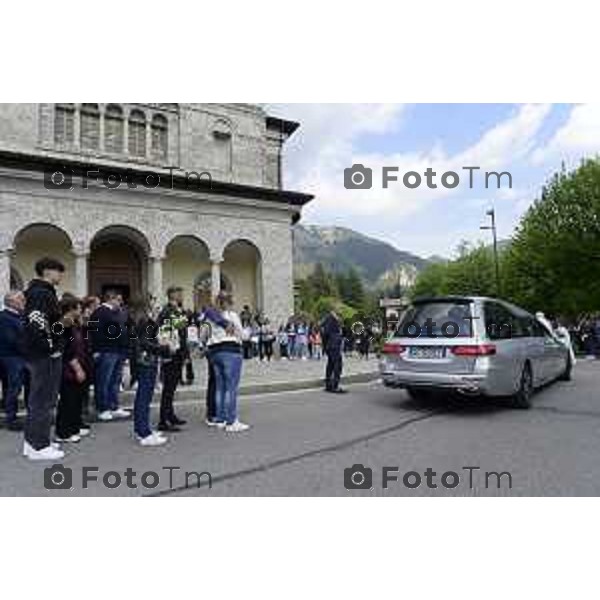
pixel 74 439
pixel 27 447
pixel 48 453
pixel 237 427
pixel 84 432
pixel 159 434
pixel 153 440
pixel 213 423
pixel 121 413
pixel 105 416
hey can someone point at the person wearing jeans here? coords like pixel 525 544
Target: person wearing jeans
pixel 146 350
pixel 228 370
pixel 225 347
pixel 110 345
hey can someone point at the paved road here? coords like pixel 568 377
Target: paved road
pixel 301 442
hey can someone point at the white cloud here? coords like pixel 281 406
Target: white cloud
pixel 329 141
pixel 578 137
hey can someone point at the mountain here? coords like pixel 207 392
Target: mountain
pixel 339 249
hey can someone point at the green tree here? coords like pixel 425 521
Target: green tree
pixel 473 273
pixel 322 283
pixel 553 263
pixel 351 289
pixel 431 281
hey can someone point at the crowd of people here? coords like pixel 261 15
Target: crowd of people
pixel 297 339
pixel 62 353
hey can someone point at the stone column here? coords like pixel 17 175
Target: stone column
pixel 259 286
pixel 155 278
pixel 77 127
pixel 81 273
pixel 4 273
pixel 216 276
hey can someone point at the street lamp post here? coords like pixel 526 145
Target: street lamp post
pixel 492 227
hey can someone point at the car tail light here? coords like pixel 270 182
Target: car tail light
pixel 479 350
pixel 393 349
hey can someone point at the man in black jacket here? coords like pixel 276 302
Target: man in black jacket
pixel 43 346
pixel 333 341
pixel 107 328
pixel 173 316
pixel 11 354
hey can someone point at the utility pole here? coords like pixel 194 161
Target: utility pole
pixel 492 227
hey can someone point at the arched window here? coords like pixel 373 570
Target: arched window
pixel 160 137
pixel 113 129
pixel 90 126
pixel 64 123
pixel 137 133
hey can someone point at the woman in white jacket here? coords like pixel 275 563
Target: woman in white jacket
pixel 225 347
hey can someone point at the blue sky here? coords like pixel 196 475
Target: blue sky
pixel 529 141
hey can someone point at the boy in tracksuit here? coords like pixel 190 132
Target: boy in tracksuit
pixel 43 347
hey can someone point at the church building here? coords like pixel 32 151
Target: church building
pixel 140 197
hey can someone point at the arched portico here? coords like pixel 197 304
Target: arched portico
pixel 118 259
pixel 35 241
pixel 186 256
pixel 242 265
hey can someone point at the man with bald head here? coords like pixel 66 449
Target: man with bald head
pixel 12 361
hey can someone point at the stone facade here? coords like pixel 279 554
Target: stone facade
pixel 184 228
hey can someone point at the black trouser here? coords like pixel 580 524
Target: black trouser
pixel 171 372
pixel 211 391
pixel 46 375
pixel 70 404
pixel 188 367
pixel 265 349
pixel 333 372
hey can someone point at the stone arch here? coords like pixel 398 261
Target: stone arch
pixel 185 256
pixel 36 240
pixel 242 265
pixel 118 259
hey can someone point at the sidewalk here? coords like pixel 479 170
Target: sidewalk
pixel 279 376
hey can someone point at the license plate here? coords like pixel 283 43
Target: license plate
pixel 426 352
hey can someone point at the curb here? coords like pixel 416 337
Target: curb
pixel 269 388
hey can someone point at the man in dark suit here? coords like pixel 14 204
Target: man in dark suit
pixel 333 342
pixel 12 360
pixel 172 315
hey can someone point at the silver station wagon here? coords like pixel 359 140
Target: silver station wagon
pixel 474 346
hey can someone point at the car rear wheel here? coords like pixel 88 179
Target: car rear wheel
pixel 566 376
pixel 522 399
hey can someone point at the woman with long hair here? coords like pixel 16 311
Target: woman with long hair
pixel 77 374
pixel 147 348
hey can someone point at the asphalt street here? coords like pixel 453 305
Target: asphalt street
pixel 301 444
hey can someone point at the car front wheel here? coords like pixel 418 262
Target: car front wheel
pixel 566 376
